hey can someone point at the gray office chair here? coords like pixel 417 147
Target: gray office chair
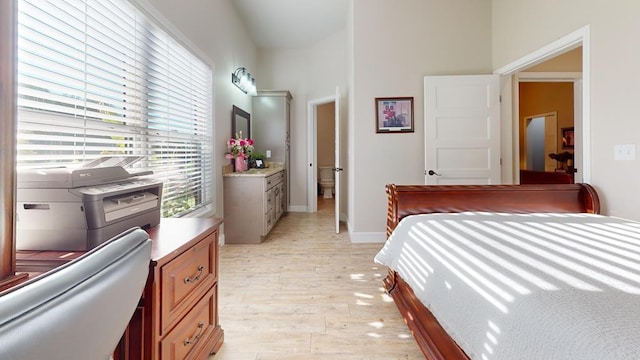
pixel 79 310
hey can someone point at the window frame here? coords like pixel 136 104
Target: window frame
pixel 207 189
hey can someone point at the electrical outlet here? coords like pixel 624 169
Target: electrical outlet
pixel 268 153
pixel 624 152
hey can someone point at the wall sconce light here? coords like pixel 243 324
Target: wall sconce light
pixel 244 81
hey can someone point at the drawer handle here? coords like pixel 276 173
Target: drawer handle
pixel 195 339
pixel 195 278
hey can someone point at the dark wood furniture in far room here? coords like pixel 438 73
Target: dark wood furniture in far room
pixel 177 317
pixel 405 200
pixel 545 177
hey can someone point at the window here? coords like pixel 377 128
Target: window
pixel 99 78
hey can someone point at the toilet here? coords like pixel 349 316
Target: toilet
pixel 326 181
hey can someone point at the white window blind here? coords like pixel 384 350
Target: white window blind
pixel 99 78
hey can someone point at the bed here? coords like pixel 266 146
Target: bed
pixel 610 329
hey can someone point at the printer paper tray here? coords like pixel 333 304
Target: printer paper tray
pixel 123 206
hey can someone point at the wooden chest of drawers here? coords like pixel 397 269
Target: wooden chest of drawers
pixel 178 314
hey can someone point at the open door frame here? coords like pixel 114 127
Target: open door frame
pixel 580 37
pixel 572 77
pixel 312 149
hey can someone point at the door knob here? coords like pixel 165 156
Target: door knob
pixel 431 172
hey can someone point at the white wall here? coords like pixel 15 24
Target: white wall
pixel 614 58
pixel 397 43
pixel 215 28
pixel 386 50
pixel 309 73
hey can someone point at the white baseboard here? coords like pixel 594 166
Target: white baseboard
pixel 297 208
pixel 365 237
pixel 368 237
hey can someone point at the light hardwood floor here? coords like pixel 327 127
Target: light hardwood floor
pixel 308 293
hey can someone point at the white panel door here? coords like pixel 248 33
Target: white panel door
pixel 462 129
pixel 337 166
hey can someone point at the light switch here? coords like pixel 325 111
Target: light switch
pixel 625 152
pixel 268 153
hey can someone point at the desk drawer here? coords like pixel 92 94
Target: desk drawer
pixel 193 333
pixel 185 279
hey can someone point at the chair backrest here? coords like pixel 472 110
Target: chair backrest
pixel 79 310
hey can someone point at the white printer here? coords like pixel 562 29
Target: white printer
pixel 77 209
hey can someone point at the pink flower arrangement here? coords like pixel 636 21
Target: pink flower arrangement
pixel 239 147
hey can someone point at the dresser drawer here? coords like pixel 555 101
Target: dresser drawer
pixel 280 176
pixel 185 279
pixel 186 341
pixel 273 180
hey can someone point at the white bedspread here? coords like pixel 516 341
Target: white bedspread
pixel 518 286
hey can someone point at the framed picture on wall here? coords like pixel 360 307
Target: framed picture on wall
pixel 568 138
pixel 394 115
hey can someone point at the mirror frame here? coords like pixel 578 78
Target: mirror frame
pixel 234 125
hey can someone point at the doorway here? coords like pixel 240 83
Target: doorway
pixel 316 108
pixel 325 156
pixel 554 97
pixel 512 74
pixel 558 93
pixel 313 169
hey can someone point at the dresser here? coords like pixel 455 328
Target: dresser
pixel 254 201
pixel 178 313
pixel 177 317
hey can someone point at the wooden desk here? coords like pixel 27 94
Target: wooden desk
pixel 36 262
pixel 177 317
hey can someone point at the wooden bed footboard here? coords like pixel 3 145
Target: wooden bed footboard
pixel 405 200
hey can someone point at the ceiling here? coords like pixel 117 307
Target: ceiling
pixel 291 23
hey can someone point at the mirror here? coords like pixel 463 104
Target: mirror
pixel 240 121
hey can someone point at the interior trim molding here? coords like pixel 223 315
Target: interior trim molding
pixel 580 37
pixel 562 45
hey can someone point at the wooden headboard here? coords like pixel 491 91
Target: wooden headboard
pixel 404 200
